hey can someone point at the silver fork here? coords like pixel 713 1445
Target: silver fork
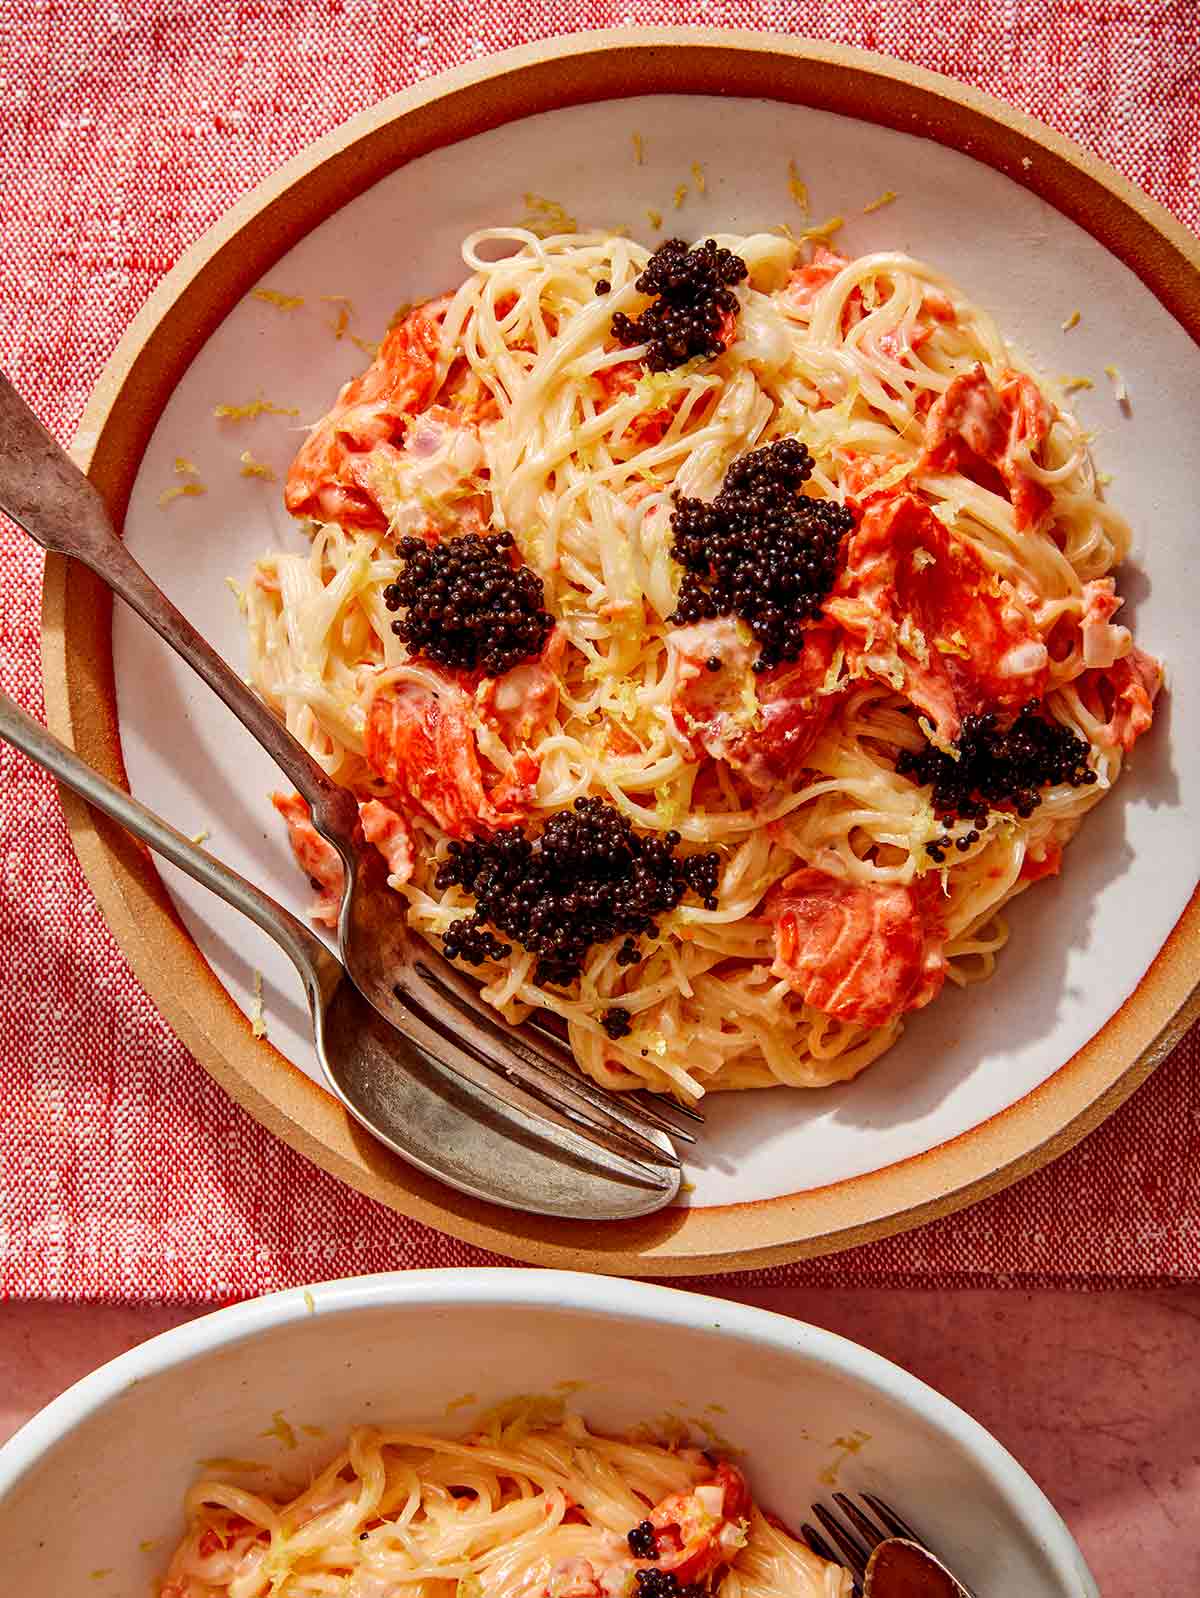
pixel 407 982
pixel 886 1557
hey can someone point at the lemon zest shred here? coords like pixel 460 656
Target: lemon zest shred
pixel 1071 321
pixel 825 230
pixel 654 217
pixel 679 196
pixel 280 1428
pixel 639 149
pixel 885 198
pixel 797 187
pixel 185 467
pixel 1071 385
pixel 1120 392
pixel 282 302
pixel 246 413
pixel 699 179
pixel 364 344
pixel 252 468
pixel 547 217
pixel 181 491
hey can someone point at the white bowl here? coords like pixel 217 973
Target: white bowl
pixel 104 1468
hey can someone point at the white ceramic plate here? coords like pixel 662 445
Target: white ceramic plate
pixel 1080 945
pixel 400 1348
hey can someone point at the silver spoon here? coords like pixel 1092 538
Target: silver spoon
pixel 500 1149
pixel 410 984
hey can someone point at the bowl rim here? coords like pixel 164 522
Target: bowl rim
pixel 80 690
pixel 566 1292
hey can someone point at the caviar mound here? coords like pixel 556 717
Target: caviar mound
pixel 585 878
pixel 694 298
pixel 467 606
pixel 998 768
pixel 762 550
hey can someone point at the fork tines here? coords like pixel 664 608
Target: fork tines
pixel 456 1018
pixel 857 1540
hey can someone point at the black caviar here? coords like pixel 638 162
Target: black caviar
pixel 617 1022
pixel 467 606
pixel 693 290
pixel 997 767
pixel 584 878
pixel 656 1583
pixel 643 1543
pixel 762 550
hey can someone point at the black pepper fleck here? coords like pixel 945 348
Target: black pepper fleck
pixel 586 877
pixel 693 296
pixel 762 550
pixel 467 605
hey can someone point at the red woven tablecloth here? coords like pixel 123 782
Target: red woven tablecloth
pixel 126 127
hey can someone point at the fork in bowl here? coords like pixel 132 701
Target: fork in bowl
pixel 414 988
pixel 887 1558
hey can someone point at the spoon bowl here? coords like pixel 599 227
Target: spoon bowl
pixel 484 1136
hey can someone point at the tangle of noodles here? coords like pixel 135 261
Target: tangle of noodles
pixel 531 419
pixel 521 1510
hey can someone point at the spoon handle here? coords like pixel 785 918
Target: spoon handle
pixel 306 951
pixel 43 490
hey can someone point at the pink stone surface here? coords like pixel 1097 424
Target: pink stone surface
pixel 1095 1394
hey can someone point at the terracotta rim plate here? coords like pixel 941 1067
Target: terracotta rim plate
pixel 81 685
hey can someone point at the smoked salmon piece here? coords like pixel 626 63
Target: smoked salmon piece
pixel 371 409
pixel 521 702
pixel 317 858
pixel 391 835
pixel 924 613
pixel 422 744
pixel 974 426
pixel 1127 690
pixel 806 282
pixel 763 726
pixel 698 1532
pixel 320 861
pixel 863 952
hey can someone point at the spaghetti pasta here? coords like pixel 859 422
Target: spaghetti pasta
pixel 526 1507
pixel 975 581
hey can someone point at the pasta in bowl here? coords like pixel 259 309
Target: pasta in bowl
pixel 528 1502
pixel 716 640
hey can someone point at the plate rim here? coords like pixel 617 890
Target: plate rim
pixel 159 345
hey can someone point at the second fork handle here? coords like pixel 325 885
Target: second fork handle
pixel 334 809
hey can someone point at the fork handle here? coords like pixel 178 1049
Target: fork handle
pixel 307 953
pixel 43 490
